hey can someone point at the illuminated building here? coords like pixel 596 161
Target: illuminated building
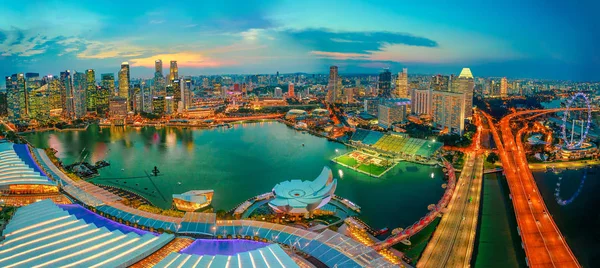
pixel 440 83
pixel 296 114
pixel 159 79
pixel 147 99
pixel 348 95
pixel 371 106
pixel 465 84
pixel 39 106
pixel 334 86
pixel 421 101
pixel 137 98
pixel 291 90
pixel 124 79
pixel 16 95
pixel 303 197
pixel 170 105
pixel 19 174
pixel 91 94
pixel 385 84
pixel 173 71
pixel 158 105
pixel 79 90
pixel 3 104
pixel 187 93
pixel 103 96
pixel 193 200
pixel 503 87
pixel 236 87
pixel 55 89
pixel 176 90
pixel 402 84
pixel 278 93
pixel 392 111
pixel 117 107
pixel 107 81
pixel 447 111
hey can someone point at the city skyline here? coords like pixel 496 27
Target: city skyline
pixel 265 37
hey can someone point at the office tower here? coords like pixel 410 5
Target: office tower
pixel 103 96
pixel 136 98
pixel 465 83
pixel 173 71
pixel 79 89
pixel 147 99
pixel 176 87
pixel 236 87
pixel 158 105
pixel 107 81
pixel 371 106
pixel 402 84
pixel 39 106
pixel 186 93
pixel 91 94
pixel 55 92
pixel 448 111
pixel 159 79
pixel 348 95
pixel 385 84
pixel 392 111
pixel 68 97
pixel 3 104
pixel 334 86
pixel 124 80
pixel 421 101
pixel 440 83
pixel 16 95
pixel 503 87
pixel 291 90
pixel 278 93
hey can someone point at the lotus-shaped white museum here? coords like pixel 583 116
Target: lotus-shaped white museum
pixel 301 197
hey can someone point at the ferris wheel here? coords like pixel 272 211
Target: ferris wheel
pixel 572 118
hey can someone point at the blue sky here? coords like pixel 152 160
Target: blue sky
pixel 539 39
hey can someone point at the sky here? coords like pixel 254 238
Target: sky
pixel 547 39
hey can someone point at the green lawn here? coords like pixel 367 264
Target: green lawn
pixel 347 160
pixel 372 169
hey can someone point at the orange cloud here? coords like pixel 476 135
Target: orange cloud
pixel 184 59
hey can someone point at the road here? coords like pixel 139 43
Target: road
pixel 543 243
pixel 453 241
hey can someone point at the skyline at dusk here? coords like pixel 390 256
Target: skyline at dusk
pixel 553 41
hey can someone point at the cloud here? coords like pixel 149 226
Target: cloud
pixel 340 55
pixel 156 21
pixel 354 42
pixel 184 59
pixel 104 50
pixel 17 42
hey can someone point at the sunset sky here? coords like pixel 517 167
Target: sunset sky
pixel 537 39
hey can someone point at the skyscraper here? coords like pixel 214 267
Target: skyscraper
pixel 124 80
pixel 158 67
pixel 173 71
pixel 385 84
pixel 392 111
pixel 79 90
pixel 421 101
pixel 334 86
pixel 107 81
pixel 16 94
pixel 91 90
pixel 448 111
pixel 503 87
pixel 291 90
pixel 68 97
pixel 159 79
pixel 465 83
pixel 402 84
pixel 39 107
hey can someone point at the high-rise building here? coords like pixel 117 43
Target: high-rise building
pixel 348 95
pixel 421 101
pixel 91 94
pixel 159 79
pixel 503 87
pixel 278 93
pixel 103 96
pixel 402 84
pixel 392 111
pixel 448 111
pixel 158 105
pixel 124 80
pixel 371 106
pixel 440 83
pixel 176 87
pixel 158 67
pixel 385 84
pixel 39 107
pixel 291 90
pixel 147 99
pixel 3 104
pixel 107 81
pixel 334 86
pixel 173 71
pixel 79 98
pixel 68 97
pixel 465 83
pixel 16 94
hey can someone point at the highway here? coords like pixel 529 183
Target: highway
pixel 543 243
pixel 453 241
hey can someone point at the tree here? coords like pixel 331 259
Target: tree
pixel 492 158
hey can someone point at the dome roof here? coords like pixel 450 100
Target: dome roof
pixel 297 196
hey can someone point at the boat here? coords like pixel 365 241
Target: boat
pixel 382 231
pixel 406 242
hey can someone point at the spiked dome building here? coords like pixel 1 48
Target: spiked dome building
pixel 303 197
